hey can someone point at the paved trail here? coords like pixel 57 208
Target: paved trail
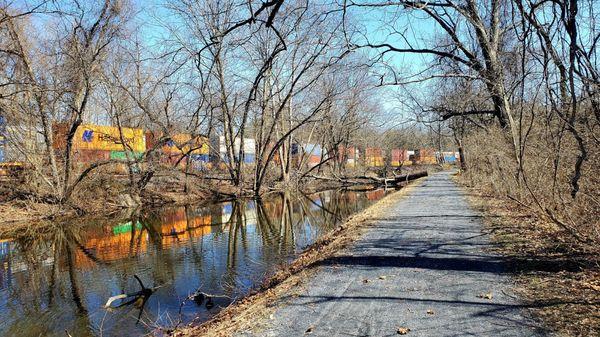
pixel 428 254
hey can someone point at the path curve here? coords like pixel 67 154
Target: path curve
pixel 425 266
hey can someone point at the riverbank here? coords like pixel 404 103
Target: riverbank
pixel 556 278
pixel 245 313
pixel 104 196
pixel 98 201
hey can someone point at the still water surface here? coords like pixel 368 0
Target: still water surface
pixel 60 280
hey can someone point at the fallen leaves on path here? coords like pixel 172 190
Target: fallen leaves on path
pixel 430 312
pixel 403 330
pixel 382 277
pixel 487 296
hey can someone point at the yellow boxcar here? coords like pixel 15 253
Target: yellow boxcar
pixel 374 161
pixel 99 137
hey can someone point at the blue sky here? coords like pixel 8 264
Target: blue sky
pixel 373 23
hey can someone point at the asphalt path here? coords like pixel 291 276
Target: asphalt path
pixel 424 269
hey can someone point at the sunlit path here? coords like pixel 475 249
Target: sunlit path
pixel 423 267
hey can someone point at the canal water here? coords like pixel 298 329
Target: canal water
pixel 59 280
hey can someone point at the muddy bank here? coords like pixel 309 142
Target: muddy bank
pixel 244 314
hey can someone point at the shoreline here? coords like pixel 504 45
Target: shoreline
pixel 27 214
pixel 242 314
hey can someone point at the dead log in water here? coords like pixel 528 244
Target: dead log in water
pixel 370 180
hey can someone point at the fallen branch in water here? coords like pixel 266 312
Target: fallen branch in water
pixel 144 293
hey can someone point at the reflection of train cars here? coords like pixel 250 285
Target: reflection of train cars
pixel 225 212
pixel 249 213
pixel 176 226
pixel 109 243
pixel 374 157
pixel 273 207
pixel 316 201
pixel 375 194
pixel 222 215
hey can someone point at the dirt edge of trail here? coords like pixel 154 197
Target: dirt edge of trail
pixel 248 312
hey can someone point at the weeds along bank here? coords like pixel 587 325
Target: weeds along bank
pixel 543 183
pixel 561 289
pixel 535 219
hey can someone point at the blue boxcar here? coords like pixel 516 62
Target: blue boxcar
pixel 312 149
pixel 449 158
pixel 199 161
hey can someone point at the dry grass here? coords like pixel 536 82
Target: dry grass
pixel 19 213
pixel 558 282
pixel 249 311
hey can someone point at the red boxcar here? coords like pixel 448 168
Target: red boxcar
pixel 399 156
pixel 374 157
pixel 425 156
pixel 348 154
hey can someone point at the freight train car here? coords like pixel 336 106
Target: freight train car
pixel 311 154
pixel 178 146
pixel 449 157
pixel 93 143
pixel 219 152
pixel 425 157
pixel 314 153
pixel 400 157
pixel 348 154
pixel 374 157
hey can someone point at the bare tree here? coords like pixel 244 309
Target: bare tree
pixel 54 79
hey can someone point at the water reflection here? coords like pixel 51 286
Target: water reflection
pixel 58 280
